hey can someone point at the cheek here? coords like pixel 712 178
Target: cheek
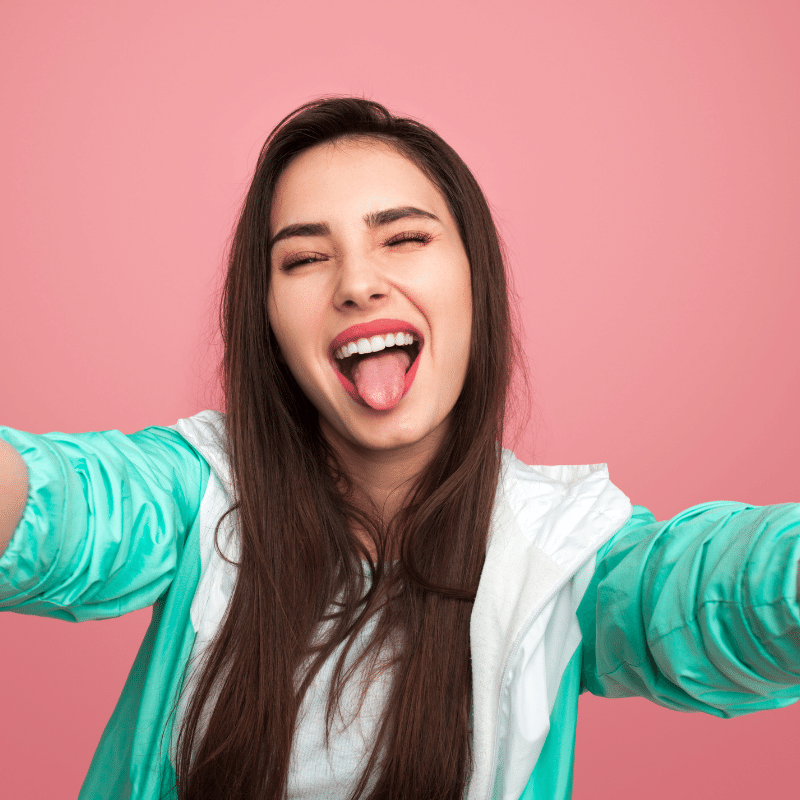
pixel 275 322
pixel 464 331
pixel 459 294
pixel 282 328
pixel 289 317
pixel 294 322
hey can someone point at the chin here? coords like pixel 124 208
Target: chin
pixel 394 434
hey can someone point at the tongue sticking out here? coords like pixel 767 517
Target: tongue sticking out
pixel 380 379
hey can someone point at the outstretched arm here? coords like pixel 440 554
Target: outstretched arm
pixel 104 519
pixel 700 612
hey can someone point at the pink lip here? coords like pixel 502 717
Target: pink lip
pixel 377 327
pixel 364 330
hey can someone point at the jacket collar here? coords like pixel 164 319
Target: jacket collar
pixel 548 522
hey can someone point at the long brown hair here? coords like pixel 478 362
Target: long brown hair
pixel 301 562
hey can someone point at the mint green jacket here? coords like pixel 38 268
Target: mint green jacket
pixel 580 591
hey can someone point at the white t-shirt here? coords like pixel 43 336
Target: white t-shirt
pixel 320 773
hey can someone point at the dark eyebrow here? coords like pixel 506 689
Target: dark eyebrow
pixel 300 229
pixel 373 220
pixel 392 214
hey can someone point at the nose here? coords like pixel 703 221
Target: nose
pixel 360 284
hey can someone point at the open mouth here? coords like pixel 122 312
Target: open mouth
pixel 377 370
pixel 348 355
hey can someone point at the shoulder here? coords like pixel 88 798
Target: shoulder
pixel 566 511
pixel 207 427
pixel 206 432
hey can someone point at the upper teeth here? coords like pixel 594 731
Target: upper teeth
pixel 373 344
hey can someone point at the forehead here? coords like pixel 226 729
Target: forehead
pixel 348 179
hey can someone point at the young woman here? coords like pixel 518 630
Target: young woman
pixel 356 592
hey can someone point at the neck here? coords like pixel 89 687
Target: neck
pixel 382 479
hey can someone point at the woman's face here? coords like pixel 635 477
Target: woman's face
pixel 366 255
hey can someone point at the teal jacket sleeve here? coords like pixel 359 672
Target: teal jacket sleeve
pixel 105 522
pixel 699 613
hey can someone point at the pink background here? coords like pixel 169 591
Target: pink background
pixel 642 159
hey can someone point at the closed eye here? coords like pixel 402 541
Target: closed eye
pixel 298 259
pixel 409 236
